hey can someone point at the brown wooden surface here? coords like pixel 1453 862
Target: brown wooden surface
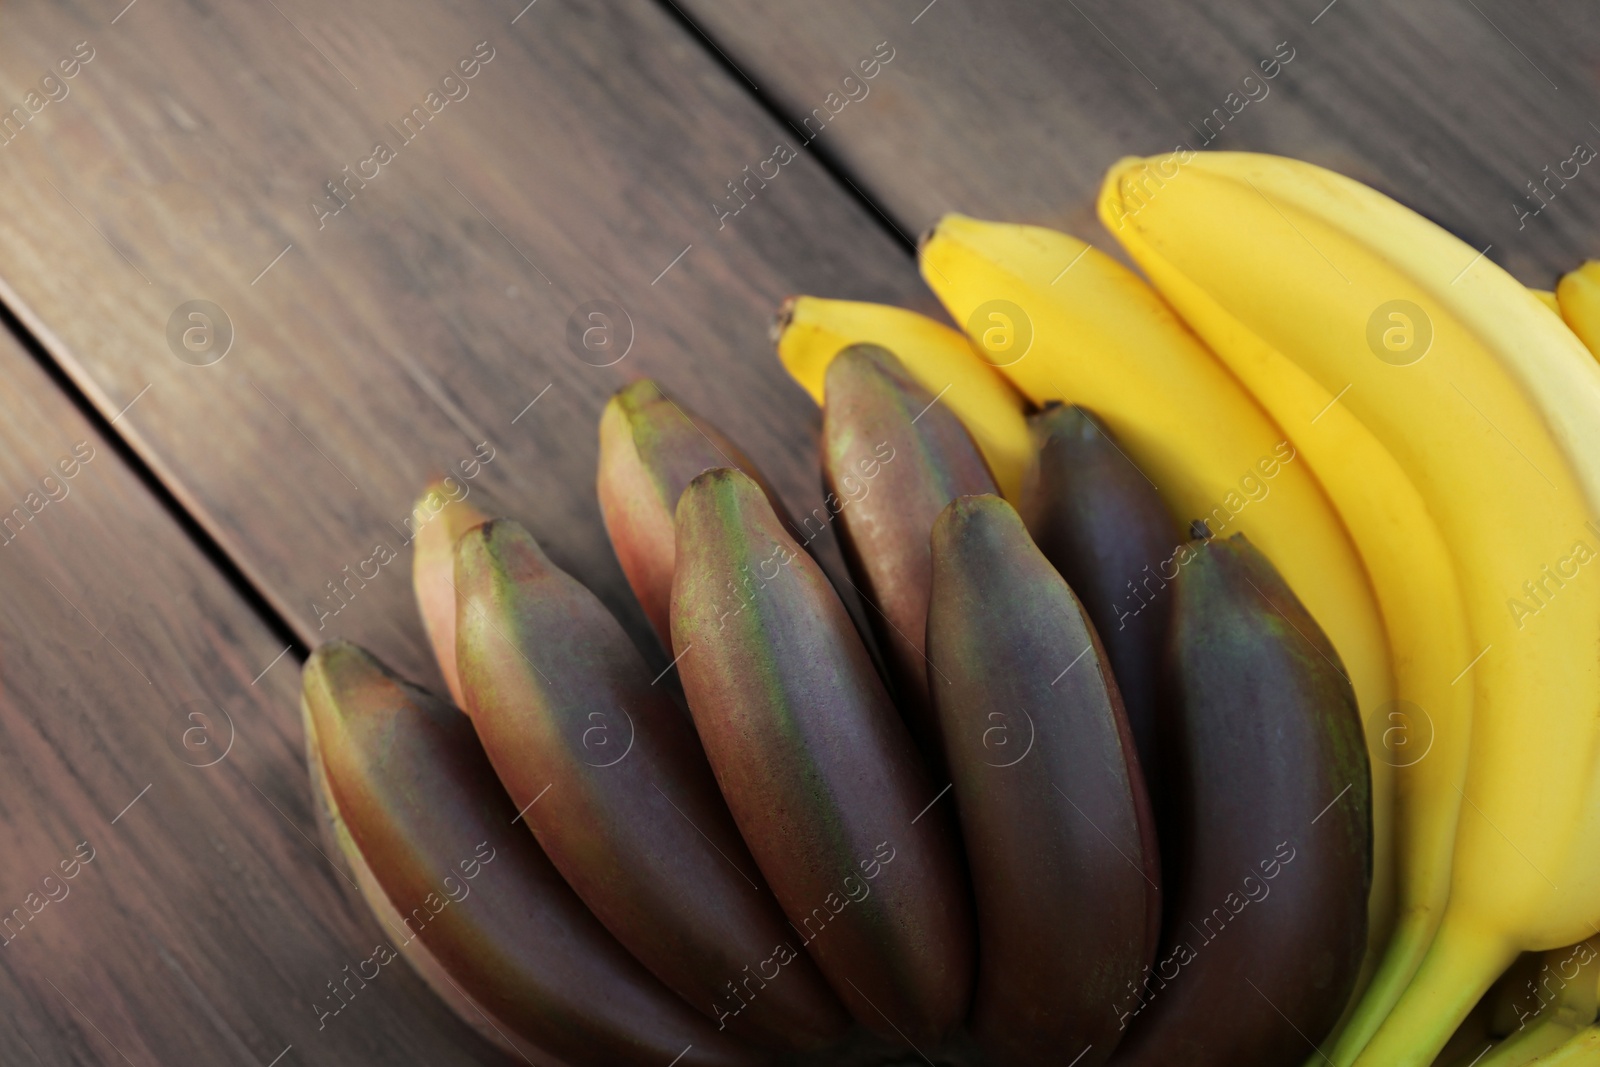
pixel 382 347
pixel 1016 110
pixel 207 923
pixel 377 351
pixel 427 314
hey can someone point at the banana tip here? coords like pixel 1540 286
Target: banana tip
pixel 334 664
pixel 972 509
pixel 637 393
pixel 436 491
pixel 1110 197
pixel 781 320
pixel 717 476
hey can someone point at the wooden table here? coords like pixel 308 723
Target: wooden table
pixel 380 316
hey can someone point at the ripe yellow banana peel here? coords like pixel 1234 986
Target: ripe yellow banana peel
pixel 1578 301
pixel 1417 586
pixel 1583 1050
pixel 1565 998
pixel 810 331
pixel 1064 321
pixel 1492 409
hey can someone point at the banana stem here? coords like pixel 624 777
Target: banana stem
pixel 1461 965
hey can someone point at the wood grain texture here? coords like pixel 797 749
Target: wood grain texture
pixel 1015 110
pixel 385 343
pixel 382 344
pixel 206 923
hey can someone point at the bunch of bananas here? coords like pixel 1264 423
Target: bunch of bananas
pixel 1231 694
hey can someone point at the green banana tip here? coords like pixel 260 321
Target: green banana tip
pixel 472 555
pixel 334 669
pixel 724 490
pixel 499 546
pixel 721 481
pixel 330 656
pixel 472 539
pixel 429 501
pixel 637 395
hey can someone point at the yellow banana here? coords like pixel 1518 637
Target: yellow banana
pixel 1548 299
pixel 810 331
pixel 1505 1005
pixel 1471 1040
pixel 1108 342
pixel 1578 299
pixel 1492 411
pixel 1582 1050
pixel 1560 1002
pixel 1418 590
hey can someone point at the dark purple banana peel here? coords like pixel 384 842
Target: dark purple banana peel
pixel 893 458
pixel 422 806
pixel 795 865
pixel 816 766
pixel 1267 914
pixel 1100 522
pixel 650 448
pixel 1059 837
pixel 612 781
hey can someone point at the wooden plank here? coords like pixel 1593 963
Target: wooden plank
pixel 435 314
pixel 1016 110
pixel 150 742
